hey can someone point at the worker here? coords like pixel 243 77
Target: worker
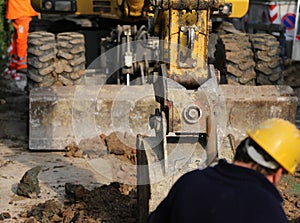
pixel 20 12
pixel 243 191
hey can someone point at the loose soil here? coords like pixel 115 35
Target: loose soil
pixel 71 190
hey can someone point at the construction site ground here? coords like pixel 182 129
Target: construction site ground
pixel 70 189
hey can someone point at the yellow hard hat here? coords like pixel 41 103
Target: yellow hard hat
pixel 281 140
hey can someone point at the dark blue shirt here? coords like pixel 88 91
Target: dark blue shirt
pixel 223 193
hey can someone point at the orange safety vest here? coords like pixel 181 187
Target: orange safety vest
pixel 19 8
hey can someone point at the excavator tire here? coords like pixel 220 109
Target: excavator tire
pixel 234 59
pixel 267 52
pixel 59 61
pixel 70 59
pixel 41 59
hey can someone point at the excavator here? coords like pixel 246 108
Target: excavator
pixel 152 79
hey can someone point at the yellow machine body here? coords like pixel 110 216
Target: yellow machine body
pixel 184 25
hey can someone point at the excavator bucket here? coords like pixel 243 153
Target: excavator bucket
pixel 59 115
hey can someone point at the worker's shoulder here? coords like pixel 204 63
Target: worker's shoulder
pixel 201 172
pixel 192 176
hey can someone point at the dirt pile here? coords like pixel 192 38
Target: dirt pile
pixel 114 203
pixel 103 204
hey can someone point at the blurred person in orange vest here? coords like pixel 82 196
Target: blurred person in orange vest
pixel 20 12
